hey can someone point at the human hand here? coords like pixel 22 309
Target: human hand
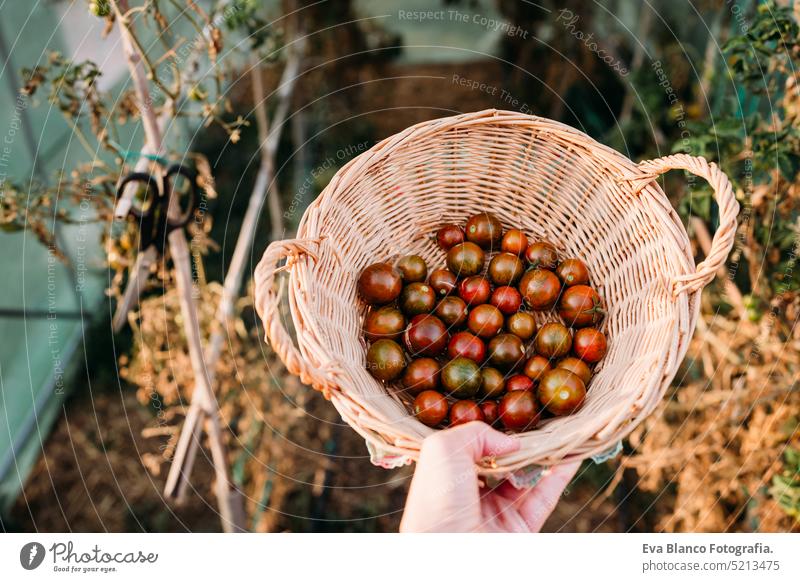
pixel 446 495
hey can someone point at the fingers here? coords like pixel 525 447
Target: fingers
pixel 475 440
pixel 537 503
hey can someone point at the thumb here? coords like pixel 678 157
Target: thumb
pixel 474 440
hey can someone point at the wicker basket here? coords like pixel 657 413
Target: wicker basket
pixel 543 177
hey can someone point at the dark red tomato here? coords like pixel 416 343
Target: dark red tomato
pixel 489 409
pixel 461 378
pixel 426 335
pixel 507 299
pixel 430 407
pixel 443 282
pixel 573 272
pixel 514 242
pixel 465 411
pixel 518 410
pixel 379 283
pixel 385 360
pixel 485 321
pixel 474 290
pixel 536 366
pixel 576 366
pixel 522 325
pixel 553 340
pixel 493 383
pixel 542 255
pixel 465 259
pixel 466 345
pixel 519 382
pixel 449 236
pixel 506 351
pixel 452 311
pixel 590 345
pixel 484 230
pixel 413 269
pixel 417 298
pixel 386 322
pixel 505 269
pixel 580 306
pixel 540 289
pixel 561 392
pixel 421 374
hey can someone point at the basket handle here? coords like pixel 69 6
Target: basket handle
pixel 267 303
pixel 728 211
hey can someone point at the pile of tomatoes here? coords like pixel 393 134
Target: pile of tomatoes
pixel 463 340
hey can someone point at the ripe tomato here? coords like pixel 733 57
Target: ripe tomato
pixel 426 335
pixel 465 411
pixel 540 289
pixel 461 378
pixel 413 269
pixel 449 236
pixel 385 360
pixel 430 407
pixel 561 392
pixel 573 272
pixel 465 259
pixel 417 298
pixel 505 269
pixel 542 255
pixel 536 366
pixel 553 340
pixel 466 345
pixel 443 282
pixel 514 242
pixel 421 374
pixel 580 306
pixel 576 366
pixel 518 410
pixel 507 299
pixel 522 325
pixel 379 283
pixel 590 345
pixel 506 351
pixel 485 230
pixel 489 409
pixel 385 322
pixel 519 382
pixel 452 311
pixel 493 383
pixel 485 321
pixel 474 290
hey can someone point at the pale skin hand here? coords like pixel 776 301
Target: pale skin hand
pixel 446 496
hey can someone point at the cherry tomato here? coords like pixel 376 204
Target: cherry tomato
pixel 386 322
pixel 507 299
pixel 465 259
pixel 449 236
pixel 573 272
pixel 514 242
pixel 465 411
pixel 542 255
pixel 522 325
pixel 493 383
pixel 580 306
pixel 461 378
pixel 474 290
pixel 518 410
pixel 485 321
pixel 489 410
pixel 506 351
pixel 443 282
pixel 505 269
pixel 421 374
pixel 576 366
pixel 385 360
pixel 413 269
pixel 484 230
pixel 426 335
pixel 540 289
pixel 519 382
pixel 553 340
pixel 466 345
pixel 561 392
pixel 452 311
pixel 417 298
pixel 430 407
pixel 590 345
pixel 379 283
pixel 536 366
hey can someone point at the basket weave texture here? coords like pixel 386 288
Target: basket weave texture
pixel 545 178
